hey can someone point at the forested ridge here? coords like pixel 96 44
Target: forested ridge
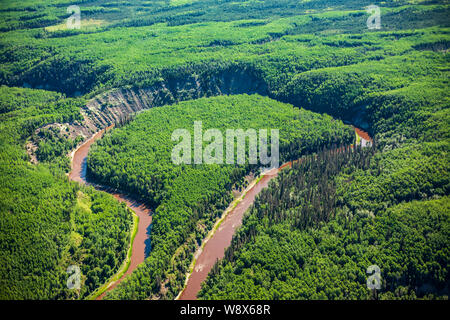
pixel 189 199
pixel 313 233
pixel 386 206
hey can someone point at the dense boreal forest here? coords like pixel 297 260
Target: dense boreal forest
pixel 189 199
pixel 47 223
pixel 314 232
pixel 387 205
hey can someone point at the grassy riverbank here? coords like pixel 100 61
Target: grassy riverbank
pixel 125 265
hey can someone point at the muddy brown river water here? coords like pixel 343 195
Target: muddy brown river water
pixel 214 247
pixel 141 245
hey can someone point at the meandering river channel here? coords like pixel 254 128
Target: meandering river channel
pixel 141 243
pixel 213 247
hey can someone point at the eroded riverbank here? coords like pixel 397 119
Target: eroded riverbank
pixel 214 246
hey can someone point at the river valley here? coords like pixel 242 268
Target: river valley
pixel 213 246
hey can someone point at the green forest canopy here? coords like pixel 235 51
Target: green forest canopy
pixel 47 223
pixel 188 199
pixel 318 55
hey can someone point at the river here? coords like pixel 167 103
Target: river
pixel 214 246
pixel 214 249
pixel 141 245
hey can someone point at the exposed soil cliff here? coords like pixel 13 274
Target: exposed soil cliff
pixel 116 105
